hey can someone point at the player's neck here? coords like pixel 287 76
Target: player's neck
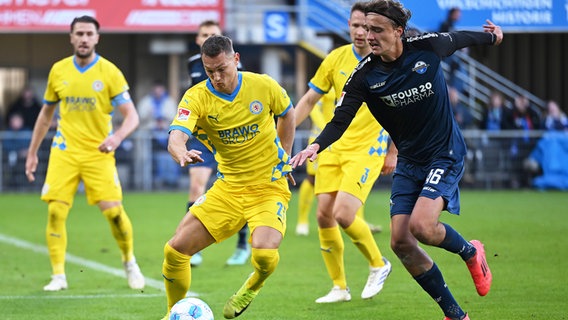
pixel 395 53
pixel 84 61
pixel 362 52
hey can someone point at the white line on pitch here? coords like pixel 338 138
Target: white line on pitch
pixel 81 261
pixel 85 296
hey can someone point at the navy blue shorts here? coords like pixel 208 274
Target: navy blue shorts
pixel 206 155
pixel 440 178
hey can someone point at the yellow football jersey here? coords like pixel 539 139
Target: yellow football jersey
pixel 332 74
pixel 85 98
pixel 239 128
pixel 322 113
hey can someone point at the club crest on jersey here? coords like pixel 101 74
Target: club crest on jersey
pixel 256 107
pixel 98 85
pixel 183 114
pixel 420 67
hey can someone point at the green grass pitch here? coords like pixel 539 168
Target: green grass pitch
pixel 525 234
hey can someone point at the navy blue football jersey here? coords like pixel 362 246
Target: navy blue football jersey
pixel 408 97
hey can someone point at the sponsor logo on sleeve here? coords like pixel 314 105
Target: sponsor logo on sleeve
pixel 183 114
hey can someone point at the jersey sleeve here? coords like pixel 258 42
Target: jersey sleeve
pixel 322 81
pixel 347 106
pixel 187 113
pixel 50 96
pixel 446 43
pixel 117 82
pixel 283 103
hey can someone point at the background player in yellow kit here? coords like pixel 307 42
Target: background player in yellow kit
pixel 233 114
pixel 348 169
pixel 88 89
pixel 319 116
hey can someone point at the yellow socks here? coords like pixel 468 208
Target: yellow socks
pixel 264 262
pixel 361 212
pixel 56 235
pixel 306 199
pixel 121 228
pixel 176 273
pixel 332 248
pixel 362 237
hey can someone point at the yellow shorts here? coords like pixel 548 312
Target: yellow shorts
pixel 97 170
pixel 225 207
pixel 352 173
pixel 311 166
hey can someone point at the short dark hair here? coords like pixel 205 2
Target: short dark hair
pixel 85 19
pixel 358 6
pixel 217 44
pixel 209 23
pixel 391 9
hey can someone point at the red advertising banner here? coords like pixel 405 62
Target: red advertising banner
pixel 114 15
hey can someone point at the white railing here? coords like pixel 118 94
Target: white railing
pixel 495 160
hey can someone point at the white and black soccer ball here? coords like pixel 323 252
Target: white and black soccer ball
pixel 191 309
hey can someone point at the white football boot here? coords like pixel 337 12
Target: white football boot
pixel 335 295
pixel 376 280
pixel 58 282
pixel 134 275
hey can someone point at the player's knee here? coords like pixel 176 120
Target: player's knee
pixel 265 260
pixel 113 213
pixel 423 232
pixel 57 211
pixel 325 219
pixel 401 247
pixel 344 219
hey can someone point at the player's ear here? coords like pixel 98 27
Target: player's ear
pixel 237 58
pixel 399 30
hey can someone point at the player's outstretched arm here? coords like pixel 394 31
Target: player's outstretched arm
pixel 41 127
pixel 390 159
pixel 128 125
pixel 178 150
pixel 306 105
pixel 286 129
pixel 495 29
pixel 311 152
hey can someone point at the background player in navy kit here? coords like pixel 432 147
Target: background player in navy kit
pixel 403 85
pixel 200 172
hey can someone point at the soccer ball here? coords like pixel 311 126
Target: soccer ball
pixel 191 309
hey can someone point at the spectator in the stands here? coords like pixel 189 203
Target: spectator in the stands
pixel 524 115
pixel 496 114
pixel 27 106
pixel 461 112
pixel 555 119
pixel 156 105
pixel 453 16
pixel 449 25
pixel 15 148
pixel 156 110
pixel 524 118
